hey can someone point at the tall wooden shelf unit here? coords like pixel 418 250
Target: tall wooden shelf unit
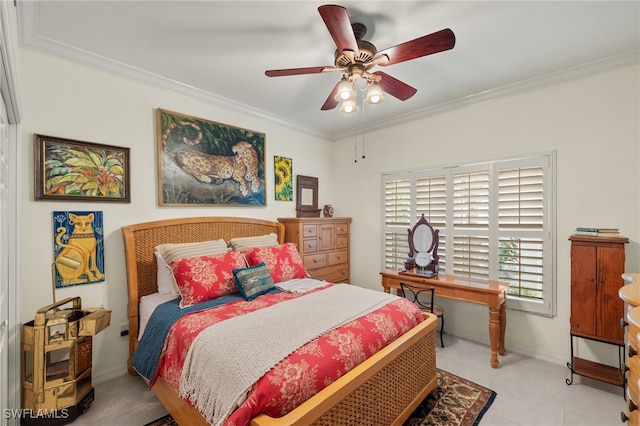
pixel 597 265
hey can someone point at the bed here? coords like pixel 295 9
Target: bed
pixel 383 389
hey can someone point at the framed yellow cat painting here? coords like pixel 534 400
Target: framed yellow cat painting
pixel 204 163
pixel 78 248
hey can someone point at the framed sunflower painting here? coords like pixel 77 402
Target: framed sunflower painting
pixel 283 168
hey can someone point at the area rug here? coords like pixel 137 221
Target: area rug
pixel 163 421
pixel 455 402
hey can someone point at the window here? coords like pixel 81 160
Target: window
pixel 495 221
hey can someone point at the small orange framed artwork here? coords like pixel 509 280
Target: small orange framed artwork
pixel 71 170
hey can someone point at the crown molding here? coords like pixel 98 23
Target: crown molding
pixel 613 62
pixel 30 39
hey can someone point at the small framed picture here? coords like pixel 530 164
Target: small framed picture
pixel 73 170
pixel 283 169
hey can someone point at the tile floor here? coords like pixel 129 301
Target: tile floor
pixel 530 392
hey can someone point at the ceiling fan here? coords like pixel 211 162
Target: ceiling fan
pixel 356 57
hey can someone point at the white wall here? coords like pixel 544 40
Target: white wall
pixel 75 102
pixel 592 122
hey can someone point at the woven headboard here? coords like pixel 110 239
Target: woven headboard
pixel 141 239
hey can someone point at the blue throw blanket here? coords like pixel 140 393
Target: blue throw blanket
pixel 147 355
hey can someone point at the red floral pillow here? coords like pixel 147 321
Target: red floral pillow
pixel 204 278
pixel 283 261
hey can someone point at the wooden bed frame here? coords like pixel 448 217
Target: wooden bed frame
pixel 385 389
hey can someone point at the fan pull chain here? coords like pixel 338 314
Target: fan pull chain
pixel 355 139
pixel 362 103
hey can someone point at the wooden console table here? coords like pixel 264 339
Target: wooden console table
pixel 490 293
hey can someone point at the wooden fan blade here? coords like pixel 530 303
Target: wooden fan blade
pixel 395 87
pixel 298 71
pixel 422 46
pixel 337 21
pixel 331 102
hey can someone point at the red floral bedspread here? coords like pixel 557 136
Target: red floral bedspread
pixel 306 371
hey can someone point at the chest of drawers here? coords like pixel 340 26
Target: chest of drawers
pixel 633 367
pixel 630 294
pixel 323 244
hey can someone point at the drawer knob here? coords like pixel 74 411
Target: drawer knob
pixel 632 406
pixel 632 352
pixel 623 417
pixel 623 323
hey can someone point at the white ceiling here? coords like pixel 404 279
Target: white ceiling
pixel 218 50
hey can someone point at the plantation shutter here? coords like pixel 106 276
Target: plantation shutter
pixel 431 200
pixel 521 230
pixel 494 221
pixel 471 224
pixel 397 219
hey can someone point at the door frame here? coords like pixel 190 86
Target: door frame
pixel 10 94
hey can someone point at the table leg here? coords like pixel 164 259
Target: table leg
pixel 503 327
pixel 494 335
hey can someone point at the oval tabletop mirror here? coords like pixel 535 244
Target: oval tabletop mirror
pixel 423 248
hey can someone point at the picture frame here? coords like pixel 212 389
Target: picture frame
pixel 283 178
pixel 206 163
pixel 307 196
pixel 78 248
pixel 72 170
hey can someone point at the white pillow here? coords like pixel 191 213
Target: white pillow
pixel 181 250
pixel 240 243
pixel 147 305
pixel 164 276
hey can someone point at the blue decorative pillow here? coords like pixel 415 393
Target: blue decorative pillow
pixel 254 281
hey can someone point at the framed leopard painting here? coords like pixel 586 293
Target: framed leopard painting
pixel 202 162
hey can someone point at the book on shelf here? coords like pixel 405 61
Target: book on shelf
pixel 597 232
pixel 603 230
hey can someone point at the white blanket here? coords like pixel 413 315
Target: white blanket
pixel 226 359
pixel 301 285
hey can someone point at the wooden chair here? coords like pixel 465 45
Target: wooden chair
pixel 413 293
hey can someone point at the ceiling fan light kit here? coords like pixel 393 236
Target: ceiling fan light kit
pixel 355 58
pixel 374 94
pixel 348 106
pixel 345 90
